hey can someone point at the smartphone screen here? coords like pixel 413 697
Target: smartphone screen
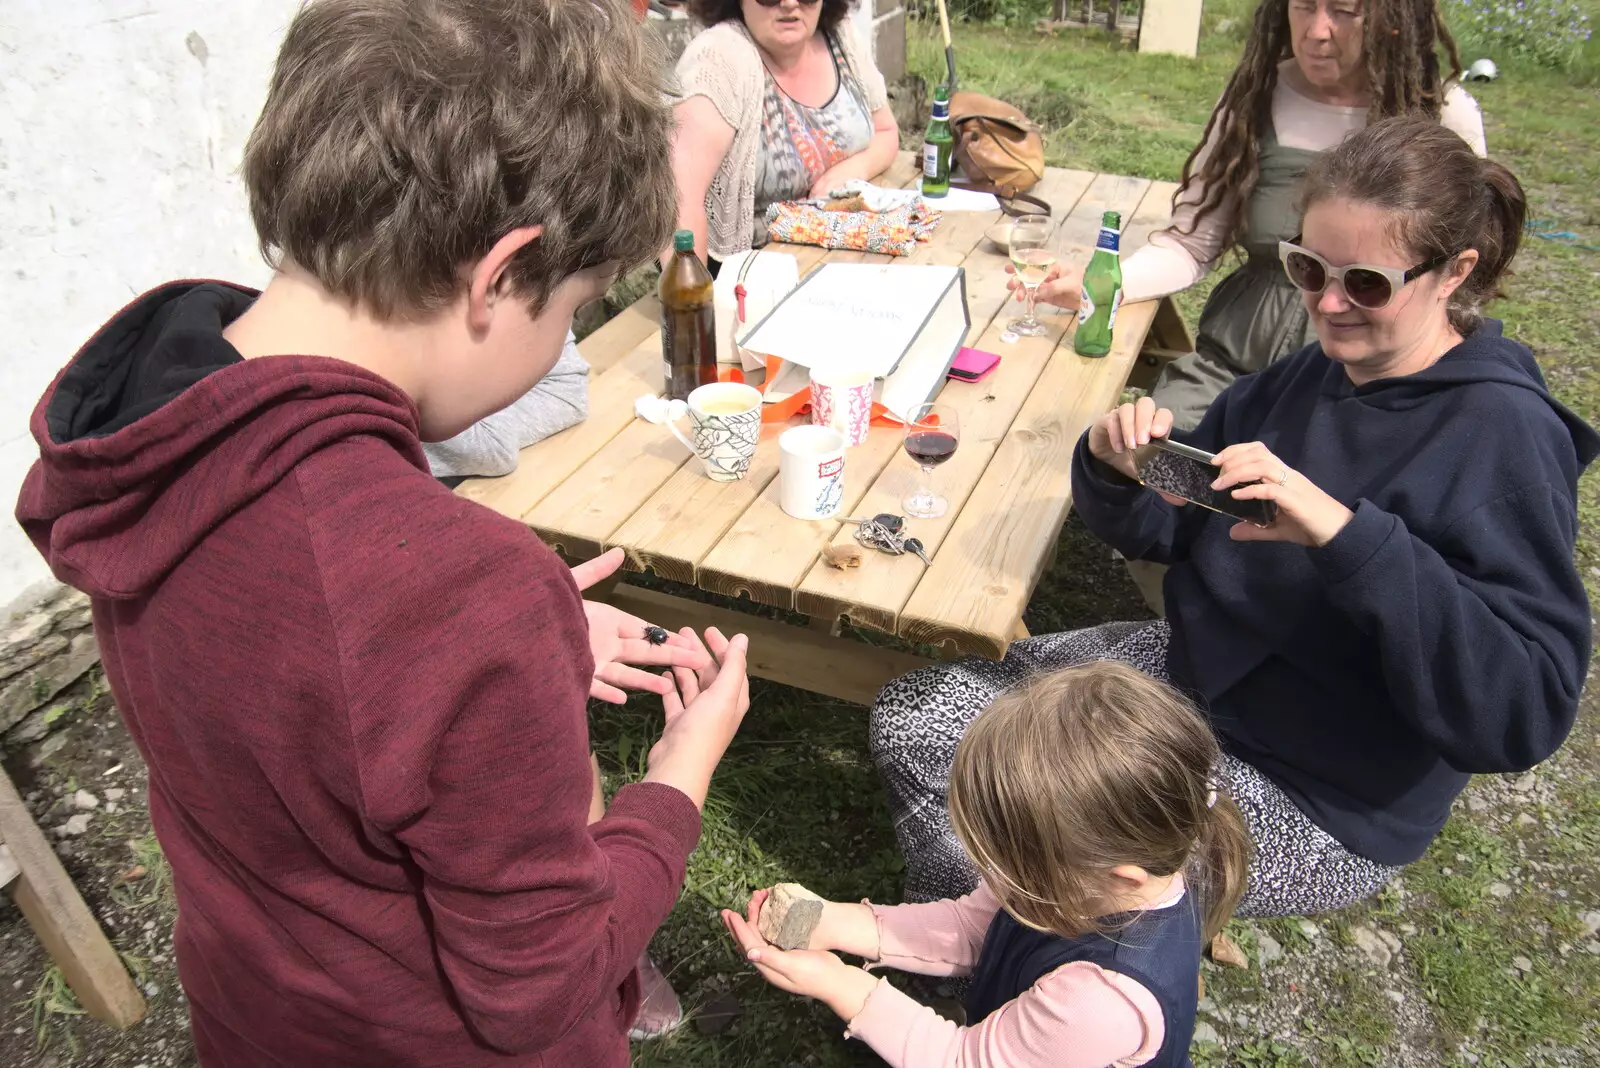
pixel 1188 472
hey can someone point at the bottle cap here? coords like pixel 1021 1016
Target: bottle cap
pixel 941 92
pixel 683 240
pixel 1112 219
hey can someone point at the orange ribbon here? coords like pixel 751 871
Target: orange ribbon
pixel 798 402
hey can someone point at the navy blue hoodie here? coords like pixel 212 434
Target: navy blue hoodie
pixel 1443 632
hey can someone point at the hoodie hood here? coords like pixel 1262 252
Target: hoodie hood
pixel 1485 356
pixel 158 431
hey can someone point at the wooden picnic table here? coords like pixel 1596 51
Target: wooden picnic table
pixel 615 479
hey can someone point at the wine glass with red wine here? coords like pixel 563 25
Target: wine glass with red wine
pixel 932 433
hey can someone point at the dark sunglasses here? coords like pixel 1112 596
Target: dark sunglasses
pixel 1367 287
pixel 775 3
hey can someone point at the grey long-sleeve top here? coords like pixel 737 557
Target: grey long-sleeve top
pixel 489 447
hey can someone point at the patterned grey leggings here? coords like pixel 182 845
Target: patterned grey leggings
pixel 919 718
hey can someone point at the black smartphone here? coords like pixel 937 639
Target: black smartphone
pixel 1187 472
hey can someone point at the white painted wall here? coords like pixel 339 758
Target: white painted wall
pixel 122 123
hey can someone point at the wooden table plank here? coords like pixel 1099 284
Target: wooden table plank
pixel 980 582
pixel 543 467
pixel 987 296
pixel 767 554
pixel 874 594
pixel 621 334
pixel 1154 213
pixel 687 514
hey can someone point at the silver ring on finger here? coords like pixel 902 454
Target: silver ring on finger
pixel 1283 479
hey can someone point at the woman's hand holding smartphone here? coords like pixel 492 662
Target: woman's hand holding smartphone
pixel 1119 432
pixel 1274 502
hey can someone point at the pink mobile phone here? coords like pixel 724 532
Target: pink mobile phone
pixel 970 365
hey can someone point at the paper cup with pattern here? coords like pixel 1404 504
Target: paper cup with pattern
pixel 842 400
pixel 811 471
pixel 724 428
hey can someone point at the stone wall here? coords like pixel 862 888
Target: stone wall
pixel 44 649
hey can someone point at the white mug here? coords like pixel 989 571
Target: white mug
pixel 724 426
pixel 811 471
pixel 842 400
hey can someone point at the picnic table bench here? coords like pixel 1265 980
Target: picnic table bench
pixel 616 480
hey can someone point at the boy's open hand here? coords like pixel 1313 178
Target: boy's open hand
pixel 703 712
pixel 812 973
pixel 617 641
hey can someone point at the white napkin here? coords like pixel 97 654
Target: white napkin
pixel 658 410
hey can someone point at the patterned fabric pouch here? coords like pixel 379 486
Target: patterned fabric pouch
pixel 894 233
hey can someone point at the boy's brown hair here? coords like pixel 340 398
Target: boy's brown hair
pixel 402 138
pixel 1084 769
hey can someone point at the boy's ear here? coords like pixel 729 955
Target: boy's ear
pixel 487 284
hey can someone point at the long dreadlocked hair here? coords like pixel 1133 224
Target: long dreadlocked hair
pixel 1401 42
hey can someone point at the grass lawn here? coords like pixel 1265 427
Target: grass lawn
pixel 1495 964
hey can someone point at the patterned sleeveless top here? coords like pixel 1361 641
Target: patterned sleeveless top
pixel 799 143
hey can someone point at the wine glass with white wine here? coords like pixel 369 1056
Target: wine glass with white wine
pixel 1032 257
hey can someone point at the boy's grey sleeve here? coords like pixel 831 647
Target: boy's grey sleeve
pixel 490 446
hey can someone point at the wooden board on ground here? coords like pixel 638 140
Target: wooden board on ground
pixel 50 902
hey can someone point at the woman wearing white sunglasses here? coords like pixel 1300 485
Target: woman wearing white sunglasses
pixel 1413 616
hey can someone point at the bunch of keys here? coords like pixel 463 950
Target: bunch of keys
pixel 887 534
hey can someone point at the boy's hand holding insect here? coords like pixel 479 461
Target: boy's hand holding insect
pixel 814 972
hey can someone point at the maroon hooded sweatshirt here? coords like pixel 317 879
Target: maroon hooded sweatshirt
pixel 362 701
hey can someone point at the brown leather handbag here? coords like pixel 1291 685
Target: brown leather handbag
pixel 996 144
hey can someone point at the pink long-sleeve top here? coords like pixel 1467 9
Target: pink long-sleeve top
pixel 1077 1016
pixel 1171 262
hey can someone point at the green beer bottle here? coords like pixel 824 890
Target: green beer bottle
pixel 936 145
pixel 1102 291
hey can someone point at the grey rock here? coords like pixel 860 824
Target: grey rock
pixel 49 748
pixel 1223 26
pixel 83 617
pixel 1207 1005
pixel 1526 820
pixel 1478 804
pixel 1204 1032
pixel 32 688
pixel 1375 949
pixel 115 793
pixel 1309 929
pixel 27 630
pixel 1591 921
pixel 84 800
pixel 1391 940
pixel 1407 929
pixel 1592 947
pixel 1499 890
pixel 1267 949
pixel 1522 964
pixel 66 600
pixel 1524 782
pixel 1396 996
pixel 21 658
pixel 75 825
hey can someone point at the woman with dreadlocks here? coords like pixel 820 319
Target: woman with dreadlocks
pixel 1313 72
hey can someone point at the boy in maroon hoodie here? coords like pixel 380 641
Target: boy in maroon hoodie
pixel 361 698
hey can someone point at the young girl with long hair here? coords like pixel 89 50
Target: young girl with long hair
pixel 1088 801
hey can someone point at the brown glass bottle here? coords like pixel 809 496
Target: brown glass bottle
pixel 688 321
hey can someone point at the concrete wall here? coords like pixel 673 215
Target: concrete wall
pixel 122 123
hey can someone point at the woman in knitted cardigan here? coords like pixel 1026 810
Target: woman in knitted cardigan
pixel 775 102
